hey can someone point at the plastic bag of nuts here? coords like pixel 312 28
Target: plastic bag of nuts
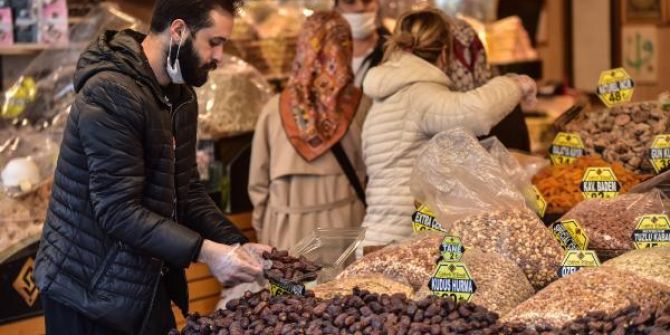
pixel 609 224
pixel 651 263
pixel 474 198
pixel 603 290
pixel 501 285
pixel 518 235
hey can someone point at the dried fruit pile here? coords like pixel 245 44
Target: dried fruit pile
pixel 623 134
pixel 290 268
pixel 559 185
pixel 360 313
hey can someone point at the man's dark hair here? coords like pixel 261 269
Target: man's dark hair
pixel 196 13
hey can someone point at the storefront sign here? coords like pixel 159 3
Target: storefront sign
pixel 452 279
pixel 570 235
pixel 600 183
pixel 659 153
pixel 576 260
pixel 652 231
pixel 614 87
pixel 566 148
pixel 424 220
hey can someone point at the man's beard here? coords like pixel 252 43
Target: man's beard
pixel 192 71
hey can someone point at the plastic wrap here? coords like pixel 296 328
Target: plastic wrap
pixel 27 160
pixel 21 219
pixel 514 170
pixel 651 263
pixel 609 224
pixel 474 198
pixel 45 88
pixel 590 290
pixel 501 285
pixel 232 99
pixel 332 248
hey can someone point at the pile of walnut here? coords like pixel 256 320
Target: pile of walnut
pixel 622 134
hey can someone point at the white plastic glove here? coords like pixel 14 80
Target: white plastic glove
pixel 528 90
pixel 256 249
pixel 231 265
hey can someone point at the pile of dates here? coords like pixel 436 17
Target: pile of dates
pixel 369 313
pixel 290 268
pixel 360 313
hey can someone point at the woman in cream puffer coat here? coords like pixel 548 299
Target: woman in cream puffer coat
pixel 412 103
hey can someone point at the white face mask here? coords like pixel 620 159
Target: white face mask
pixel 174 71
pixel 362 24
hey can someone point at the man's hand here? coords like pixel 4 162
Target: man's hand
pixel 231 265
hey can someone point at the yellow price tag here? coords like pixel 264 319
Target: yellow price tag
pixel 452 279
pixel 652 231
pixel 615 86
pixel 600 183
pixel 659 153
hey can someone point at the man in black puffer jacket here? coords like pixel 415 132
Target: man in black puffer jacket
pixel 127 211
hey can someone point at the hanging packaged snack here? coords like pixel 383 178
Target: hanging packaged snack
pixel 624 134
pixel 608 225
pixel 501 285
pixel 602 290
pixel 232 100
pixel 652 264
pixel 476 198
pixel 561 186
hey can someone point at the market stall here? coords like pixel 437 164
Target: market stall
pixel 481 260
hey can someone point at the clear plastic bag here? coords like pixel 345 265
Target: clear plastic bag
pixel 232 100
pixel 21 219
pixel 514 170
pixel 590 290
pixel 45 89
pixel 473 198
pixel 609 224
pixel 501 285
pixel 651 263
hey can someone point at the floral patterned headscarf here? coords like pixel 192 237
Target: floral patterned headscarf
pixel 320 99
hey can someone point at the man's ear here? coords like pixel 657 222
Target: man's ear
pixel 177 30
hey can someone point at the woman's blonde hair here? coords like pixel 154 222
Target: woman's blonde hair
pixel 424 33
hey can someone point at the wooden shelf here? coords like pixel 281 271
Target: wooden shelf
pixel 22 49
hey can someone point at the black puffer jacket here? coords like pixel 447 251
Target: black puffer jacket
pixel 126 168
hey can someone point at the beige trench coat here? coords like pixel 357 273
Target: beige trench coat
pixel 291 196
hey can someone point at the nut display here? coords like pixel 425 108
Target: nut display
pixel 374 283
pixel 602 290
pixel 291 268
pixel 628 320
pixel 622 134
pixel 359 313
pixel 651 263
pixel 22 217
pixel 411 262
pixel 609 224
pixel 517 235
pixel 559 185
pixel 501 285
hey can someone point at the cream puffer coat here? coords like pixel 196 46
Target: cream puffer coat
pixel 411 104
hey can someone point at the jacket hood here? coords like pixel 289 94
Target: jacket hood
pixel 401 70
pixel 118 51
